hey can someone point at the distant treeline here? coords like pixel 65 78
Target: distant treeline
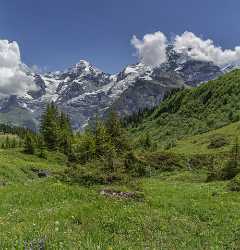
pixel 136 118
pixel 20 131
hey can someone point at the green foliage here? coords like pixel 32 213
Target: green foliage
pixel 232 167
pixel 146 141
pixel 134 119
pixel 85 148
pixel 234 184
pixel 8 141
pixel 19 131
pixel 117 133
pixel 162 161
pixel 50 127
pixel 56 129
pixel 41 147
pixel 170 144
pixel 95 172
pixel 29 144
pixel 102 140
pixel 193 111
pixel 134 166
pixel 217 142
pixel 101 147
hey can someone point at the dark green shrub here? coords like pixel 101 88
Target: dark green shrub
pixel 217 142
pixel 230 170
pixel 214 176
pixel 162 161
pixel 134 166
pixel 234 184
pixel 92 173
pixel 232 167
pixel 29 144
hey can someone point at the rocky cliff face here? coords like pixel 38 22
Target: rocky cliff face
pixel 83 90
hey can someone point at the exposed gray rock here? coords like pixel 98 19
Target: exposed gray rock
pixel 41 173
pixel 120 194
pixel 83 90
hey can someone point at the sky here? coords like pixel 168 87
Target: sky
pixel 54 34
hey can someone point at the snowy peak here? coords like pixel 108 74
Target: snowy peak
pixel 83 68
pixel 82 90
pixel 133 72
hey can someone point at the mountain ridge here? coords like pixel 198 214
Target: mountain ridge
pixel 83 90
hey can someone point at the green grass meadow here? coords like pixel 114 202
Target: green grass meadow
pixel 179 211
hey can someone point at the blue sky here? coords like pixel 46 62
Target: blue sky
pixel 56 33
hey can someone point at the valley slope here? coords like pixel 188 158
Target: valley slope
pixel 193 111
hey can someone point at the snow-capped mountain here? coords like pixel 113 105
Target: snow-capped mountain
pixel 83 90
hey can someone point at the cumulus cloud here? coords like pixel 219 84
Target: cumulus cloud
pixel 151 49
pixel 205 50
pixel 13 78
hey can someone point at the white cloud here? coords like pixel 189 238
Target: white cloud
pixel 13 79
pixel 151 49
pixel 205 50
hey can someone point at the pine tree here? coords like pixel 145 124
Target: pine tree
pixel 56 129
pixel 7 143
pixel 50 127
pixel 13 143
pixel 117 132
pixel 86 148
pixel 146 141
pixel 232 167
pixel 65 134
pixel 41 146
pixel 102 139
pixel 29 144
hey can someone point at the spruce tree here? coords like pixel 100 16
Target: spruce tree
pixel 86 147
pixel 232 167
pixel 41 146
pixel 117 133
pixel 65 134
pixel 7 143
pixel 29 144
pixel 102 139
pixel 50 127
pixel 13 143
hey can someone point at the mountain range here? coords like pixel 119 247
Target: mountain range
pixel 82 91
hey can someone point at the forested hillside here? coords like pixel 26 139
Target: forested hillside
pixel 193 111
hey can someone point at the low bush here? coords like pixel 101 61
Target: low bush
pixel 234 184
pixel 230 170
pixel 162 161
pixel 217 142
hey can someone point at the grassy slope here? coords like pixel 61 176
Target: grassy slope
pixel 198 144
pixel 194 111
pixel 15 167
pixel 180 211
